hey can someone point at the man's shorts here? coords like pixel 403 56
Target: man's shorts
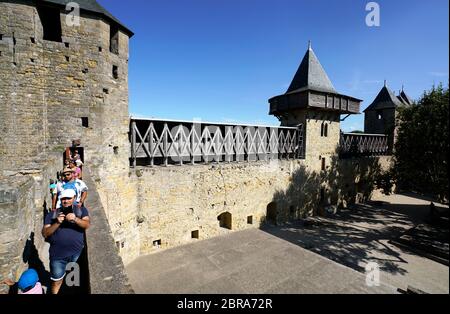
pixel 58 266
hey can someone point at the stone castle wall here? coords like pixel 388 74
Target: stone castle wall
pixel 167 204
pixel 51 86
pixel 23 200
pixel 48 90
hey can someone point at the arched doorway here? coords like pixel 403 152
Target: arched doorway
pixel 272 213
pixel 225 220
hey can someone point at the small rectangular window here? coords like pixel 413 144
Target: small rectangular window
pixel 379 115
pixel 195 234
pixel 115 72
pixel 114 39
pixel 250 220
pixel 51 22
pixel 322 195
pixel 323 164
pixel 157 244
pixel 85 122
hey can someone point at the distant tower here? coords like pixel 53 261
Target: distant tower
pixel 61 82
pixel 312 100
pixel 380 117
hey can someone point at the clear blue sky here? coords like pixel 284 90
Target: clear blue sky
pixel 221 60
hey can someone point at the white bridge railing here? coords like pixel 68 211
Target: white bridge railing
pixel 359 145
pixel 164 142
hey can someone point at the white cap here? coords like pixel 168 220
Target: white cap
pixel 69 193
pixel 79 162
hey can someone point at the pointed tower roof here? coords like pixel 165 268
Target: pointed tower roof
pixel 311 75
pixel 406 98
pixel 385 99
pixel 312 89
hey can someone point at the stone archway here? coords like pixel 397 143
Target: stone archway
pixel 272 213
pixel 225 220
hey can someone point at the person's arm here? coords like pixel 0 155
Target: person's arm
pixel 49 230
pixel 8 282
pixel 83 223
pixel 54 200
pixel 83 197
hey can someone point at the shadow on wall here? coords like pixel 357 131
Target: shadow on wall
pixel 31 257
pixel 343 182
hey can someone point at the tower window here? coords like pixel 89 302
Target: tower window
pixel 324 130
pixel 51 23
pixel 115 72
pixel 379 115
pixel 323 164
pixel 85 122
pixel 114 39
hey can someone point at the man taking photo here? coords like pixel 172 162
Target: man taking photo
pixel 64 230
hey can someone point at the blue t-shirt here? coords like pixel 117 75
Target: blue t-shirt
pixel 68 239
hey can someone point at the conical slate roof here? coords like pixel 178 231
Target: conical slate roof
pixel 312 89
pixel 406 98
pixel 385 99
pixel 311 75
pixel 91 6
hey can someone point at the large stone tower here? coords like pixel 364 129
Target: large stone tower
pixel 380 117
pixel 62 81
pixel 312 101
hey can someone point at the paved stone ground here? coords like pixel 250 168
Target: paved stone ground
pixel 361 235
pixel 281 259
pixel 251 261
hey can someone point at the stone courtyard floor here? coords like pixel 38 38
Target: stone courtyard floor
pixel 324 255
